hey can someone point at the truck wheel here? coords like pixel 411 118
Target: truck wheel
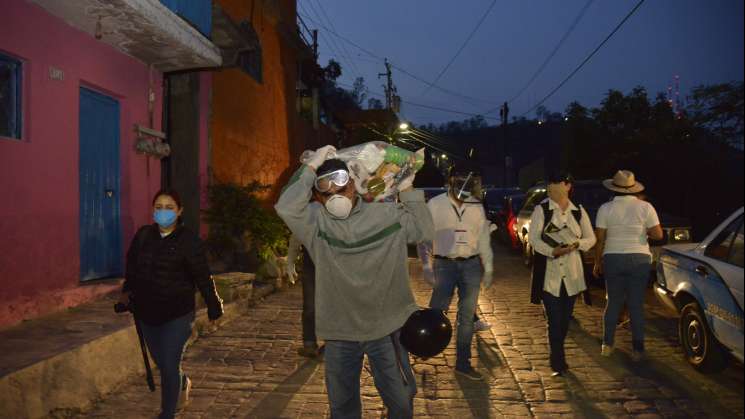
pixel 700 346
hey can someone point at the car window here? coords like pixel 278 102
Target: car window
pixel 719 248
pixel 534 198
pixel 736 254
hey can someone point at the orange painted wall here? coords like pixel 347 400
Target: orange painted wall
pixel 253 125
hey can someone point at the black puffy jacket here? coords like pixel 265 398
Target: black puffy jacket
pixel 163 274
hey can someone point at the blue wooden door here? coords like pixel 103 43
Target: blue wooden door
pixel 100 232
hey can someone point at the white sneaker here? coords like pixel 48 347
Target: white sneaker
pixel 480 326
pixel 606 350
pixel 183 399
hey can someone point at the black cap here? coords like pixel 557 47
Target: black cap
pixel 331 165
pixel 558 177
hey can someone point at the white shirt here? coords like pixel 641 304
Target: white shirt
pixel 626 219
pixel 460 231
pixel 568 268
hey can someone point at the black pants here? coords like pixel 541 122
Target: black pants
pixel 558 312
pixel 309 300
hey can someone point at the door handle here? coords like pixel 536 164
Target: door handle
pixel 109 193
pixel 701 270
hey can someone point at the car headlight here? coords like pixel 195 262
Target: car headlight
pixel 681 235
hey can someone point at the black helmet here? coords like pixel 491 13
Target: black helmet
pixel 426 333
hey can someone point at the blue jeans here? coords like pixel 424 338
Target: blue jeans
pixel 466 276
pixel 166 345
pixel 626 278
pixel 558 313
pixel 343 367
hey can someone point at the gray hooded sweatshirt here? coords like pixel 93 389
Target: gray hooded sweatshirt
pixel 362 276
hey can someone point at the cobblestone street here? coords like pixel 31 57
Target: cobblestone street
pixel 250 369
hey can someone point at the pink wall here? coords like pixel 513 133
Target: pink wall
pixel 39 228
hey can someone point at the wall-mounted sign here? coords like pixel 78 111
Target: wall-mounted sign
pixel 56 73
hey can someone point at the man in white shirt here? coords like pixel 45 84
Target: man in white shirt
pixel 558 231
pixel 461 256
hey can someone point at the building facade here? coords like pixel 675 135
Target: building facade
pixel 81 138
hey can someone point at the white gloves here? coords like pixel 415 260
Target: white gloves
pixel 290 271
pixel 486 279
pixel 323 153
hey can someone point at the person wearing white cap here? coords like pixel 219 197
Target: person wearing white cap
pixel 623 228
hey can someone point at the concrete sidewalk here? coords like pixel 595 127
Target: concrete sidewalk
pixel 250 369
pixel 60 364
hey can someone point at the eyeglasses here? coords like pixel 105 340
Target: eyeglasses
pixel 324 183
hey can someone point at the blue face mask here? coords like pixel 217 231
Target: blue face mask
pixel 165 217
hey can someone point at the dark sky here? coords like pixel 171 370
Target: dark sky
pixel 701 41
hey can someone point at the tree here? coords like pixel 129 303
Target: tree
pixel 718 108
pixel 542 113
pixel 374 103
pixel 332 71
pixel 334 97
pixel 359 91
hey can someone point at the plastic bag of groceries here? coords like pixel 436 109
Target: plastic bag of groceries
pixel 380 170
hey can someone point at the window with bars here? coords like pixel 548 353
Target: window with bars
pixel 10 97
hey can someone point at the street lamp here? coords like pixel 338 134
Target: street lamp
pixel 403 126
pixel 444 156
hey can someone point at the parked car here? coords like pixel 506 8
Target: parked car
pixel 494 200
pixel 703 283
pixel 591 194
pixel 506 219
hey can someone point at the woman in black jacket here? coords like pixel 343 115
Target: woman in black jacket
pixel 166 263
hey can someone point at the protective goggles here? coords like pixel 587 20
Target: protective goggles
pixel 468 187
pixel 324 183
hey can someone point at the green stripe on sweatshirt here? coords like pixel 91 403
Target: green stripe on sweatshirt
pixel 334 242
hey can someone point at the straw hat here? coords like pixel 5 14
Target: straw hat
pixel 624 182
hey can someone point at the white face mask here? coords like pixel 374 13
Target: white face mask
pixel 339 206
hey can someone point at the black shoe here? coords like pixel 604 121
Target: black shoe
pixel 308 351
pixel 470 373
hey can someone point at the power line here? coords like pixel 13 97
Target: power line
pixel 421 105
pixel 586 59
pixel 462 47
pixel 401 69
pixel 333 47
pixel 442 89
pixel 343 46
pixel 543 66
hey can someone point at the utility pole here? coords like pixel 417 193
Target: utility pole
pixel 504 114
pixel 315 44
pixel 388 87
pixel 314 91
